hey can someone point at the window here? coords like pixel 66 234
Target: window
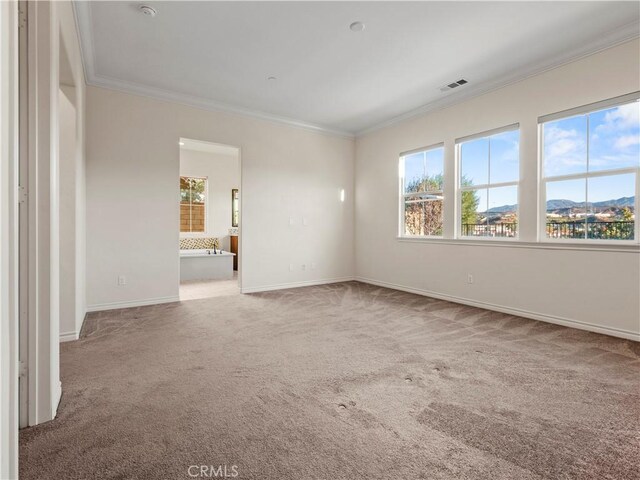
pixel 489 166
pixel 421 176
pixel 193 191
pixel 590 169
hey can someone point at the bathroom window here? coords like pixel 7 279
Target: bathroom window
pixel 193 194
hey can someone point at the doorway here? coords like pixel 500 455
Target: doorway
pixel 209 223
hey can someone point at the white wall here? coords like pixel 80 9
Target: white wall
pixel 67 122
pixel 132 212
pixel 71 128
pixel 81 211
pixel 596 289
pixel 8 241
pixel 223 174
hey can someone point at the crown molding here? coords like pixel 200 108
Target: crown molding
pixel 615 37
pixel 82 12
pixel 207 104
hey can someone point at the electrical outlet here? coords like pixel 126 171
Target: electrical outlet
pixel 292 221
pixel 291 267
pixel 304 267
pixel 469 278
pixel 122 280
pixel 305 221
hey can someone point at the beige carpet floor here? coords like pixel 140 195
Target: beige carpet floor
pixel 344 381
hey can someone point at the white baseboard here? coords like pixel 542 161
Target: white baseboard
pixel 284 286
pixel 69 336
pixel 614 332
pixel 99 307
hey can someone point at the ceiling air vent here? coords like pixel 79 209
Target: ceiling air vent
pixel 450 86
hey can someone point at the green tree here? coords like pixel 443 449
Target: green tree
pixel 192 189
pixel 470 202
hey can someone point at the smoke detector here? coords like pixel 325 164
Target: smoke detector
pixel 148 10
pixel 452 85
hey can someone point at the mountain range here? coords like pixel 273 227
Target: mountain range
pixel 561 204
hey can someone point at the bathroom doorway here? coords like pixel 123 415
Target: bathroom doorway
pixel 209 226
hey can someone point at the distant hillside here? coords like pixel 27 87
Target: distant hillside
pixel 503 209
pixel 560 204
pixel 620 202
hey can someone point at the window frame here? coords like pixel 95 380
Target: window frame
pixel 459 189
pixel 206 208
pixel 544 180
pixel 403 195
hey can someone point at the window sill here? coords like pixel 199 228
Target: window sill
pixel 514 243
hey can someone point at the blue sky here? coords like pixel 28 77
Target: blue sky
pixel 609 138
pixel 491 160
pixel 611 141
pixel 417 165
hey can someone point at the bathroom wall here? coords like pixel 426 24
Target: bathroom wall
pixel 223 174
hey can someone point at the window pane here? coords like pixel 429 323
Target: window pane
pixel 185 218
pixel 504 155
pixel 192 204
pixel 473 208
pixel 474 162
pixel 423 217
pixel 197 217
pixel 185 190
pixel 566 202
pixel 414 172
pixel 502 216
pixel 614 138
pixel 611 207
pixel 423 171
pixel 565 146
pixel 435 168
pixel 197 190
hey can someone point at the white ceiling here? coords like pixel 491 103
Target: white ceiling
pixel 208 147
pixel 219 54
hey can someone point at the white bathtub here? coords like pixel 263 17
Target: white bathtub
pixel 205 265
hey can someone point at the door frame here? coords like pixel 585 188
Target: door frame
pixel 9 100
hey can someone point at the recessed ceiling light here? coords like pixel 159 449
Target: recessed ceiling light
pixel 181 144
pixel 148 10
pixel 356 26
pixel 272 78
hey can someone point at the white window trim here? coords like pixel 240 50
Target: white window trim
pixel 508 243
pixel 459 188
pixel 488 133
pixel 543 180
pixel 402 195
pixel 591 107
